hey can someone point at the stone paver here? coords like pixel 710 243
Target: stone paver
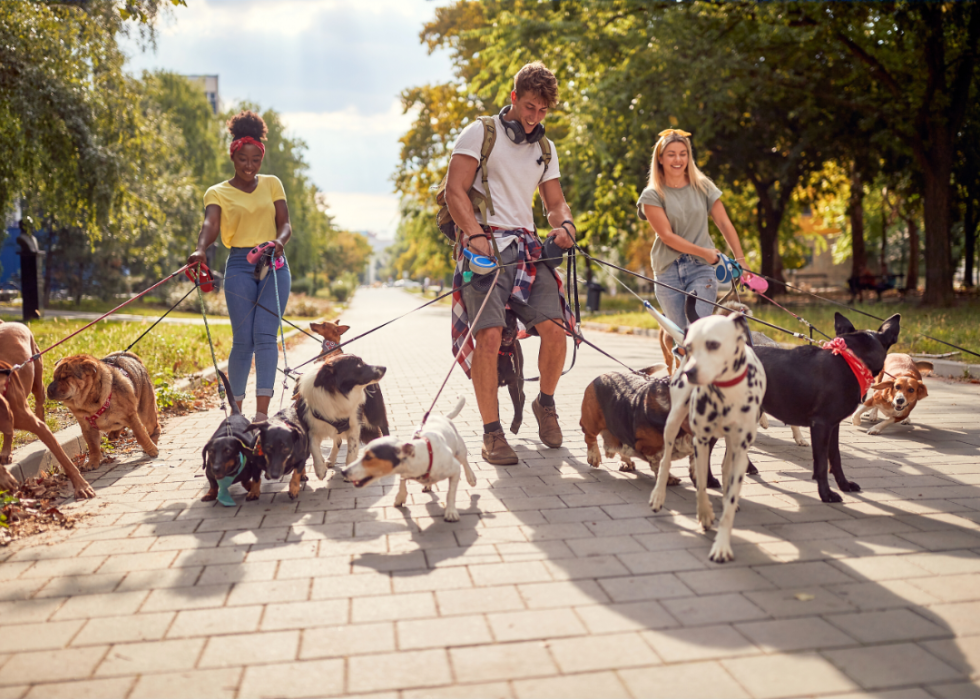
pixel 557 581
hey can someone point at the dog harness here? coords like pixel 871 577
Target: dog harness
pixel 861 372
pixel 92 419
pixel 424 478
pixel 339 425
pixel 737 380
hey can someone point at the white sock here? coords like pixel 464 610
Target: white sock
pixel 260 417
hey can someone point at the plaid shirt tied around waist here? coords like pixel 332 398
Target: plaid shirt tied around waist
pixel 528 252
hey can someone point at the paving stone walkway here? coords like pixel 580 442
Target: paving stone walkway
pixel 557 581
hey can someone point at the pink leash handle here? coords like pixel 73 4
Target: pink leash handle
pixel 754 282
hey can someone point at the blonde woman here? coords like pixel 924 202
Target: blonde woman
pixel 677 202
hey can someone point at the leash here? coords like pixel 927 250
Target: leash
pixel 35 357
pixel 799 336
pixel 214 359
pixel 854 309
pixel 271 312
pixel 157 321
pixel 456 357
pixel 282 334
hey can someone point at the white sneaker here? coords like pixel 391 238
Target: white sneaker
pixel 260 417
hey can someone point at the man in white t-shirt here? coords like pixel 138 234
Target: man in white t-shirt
pixel 516 169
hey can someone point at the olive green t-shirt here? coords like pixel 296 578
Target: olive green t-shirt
pixel 687 210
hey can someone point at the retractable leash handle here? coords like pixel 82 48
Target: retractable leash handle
pixel 203 278
pixel 479 264
pixel 255 253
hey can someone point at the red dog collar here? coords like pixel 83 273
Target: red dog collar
pixel 861 372
pixel 737 380
pixel 425 477
pixel 92 419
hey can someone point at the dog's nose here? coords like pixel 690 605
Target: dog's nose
pixel 692 374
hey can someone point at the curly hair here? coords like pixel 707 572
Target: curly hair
pixel 247 123
pixel 540 81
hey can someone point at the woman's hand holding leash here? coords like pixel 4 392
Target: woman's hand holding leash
pixel 711 256
pixel 196 258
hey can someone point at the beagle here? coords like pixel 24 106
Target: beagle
pixel 899 387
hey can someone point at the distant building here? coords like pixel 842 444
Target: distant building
pixel 209 84
pixel 379 258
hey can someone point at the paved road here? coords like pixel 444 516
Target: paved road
pixel 558 581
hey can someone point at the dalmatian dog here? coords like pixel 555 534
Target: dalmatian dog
pixel 719 387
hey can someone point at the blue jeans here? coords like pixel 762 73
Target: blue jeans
pixel 254 330
pixel 687 273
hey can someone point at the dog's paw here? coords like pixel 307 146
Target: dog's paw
pixel 713 482
pixel 515 426
pixel 83 491
pixel 210 496
pixel 627 465
pixel 877 428
pixel 849 487
pixel 751 470
pixel 706 517
pixel 427 489
pixel 90 465
pixel 5 459
pixel 657 499
pixel 798 437
pixel 721 552
pixel 251 497
pixel 856 419
pixel 451 515
pixel 593 457
pixel 764 421
pixel 673 480
pixel 831 496
pixel 320 469
pixel 906 421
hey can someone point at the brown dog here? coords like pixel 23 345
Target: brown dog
pixel 330 332
pixel 106 395
pixel 898 388
pixel 17 346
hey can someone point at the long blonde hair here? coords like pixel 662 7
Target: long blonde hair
pixel 694 175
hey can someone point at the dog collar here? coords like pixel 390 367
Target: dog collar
pixel 728 384
pixel 92 419
pixel 860 370
pixel 424 478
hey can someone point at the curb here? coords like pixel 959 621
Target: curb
pixel 31 459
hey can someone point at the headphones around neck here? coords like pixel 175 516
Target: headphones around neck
pixel 516 133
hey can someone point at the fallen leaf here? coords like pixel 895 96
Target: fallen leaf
pixel 804 596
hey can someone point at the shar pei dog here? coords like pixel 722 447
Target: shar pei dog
pixel 108 395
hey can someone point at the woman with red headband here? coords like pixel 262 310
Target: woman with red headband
pixel 248 210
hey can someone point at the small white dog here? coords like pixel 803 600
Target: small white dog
pixel 435 453
pixel 719 386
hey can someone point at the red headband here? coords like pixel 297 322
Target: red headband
pixel 239 142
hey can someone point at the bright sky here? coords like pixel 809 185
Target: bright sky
pixel 332 68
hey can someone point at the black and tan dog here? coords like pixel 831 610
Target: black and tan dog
pixel 108 395
pixel 629 412
pixel 230 452
pixel 510 368
pixel 283 445
pixel 375 416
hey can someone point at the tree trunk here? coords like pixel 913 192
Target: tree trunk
pixel 770 215
pixel 912 274
pixel 970 242
pixel 883 262
pixel 855 212
pixel 938 191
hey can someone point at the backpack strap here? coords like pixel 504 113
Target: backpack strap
pixel 489 139
pixel 545 156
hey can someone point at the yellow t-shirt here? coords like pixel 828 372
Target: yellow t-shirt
pixel 247 219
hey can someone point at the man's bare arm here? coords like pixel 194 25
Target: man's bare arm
pixel 462 172
pixel 558 212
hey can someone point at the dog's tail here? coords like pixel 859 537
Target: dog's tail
pixel 231 394
pixel 459 406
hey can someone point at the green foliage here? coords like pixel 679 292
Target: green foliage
pixel 6 499
pixel 167 395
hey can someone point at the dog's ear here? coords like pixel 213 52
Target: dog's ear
pixel 924 367
pixel 653 369
pixel 342 329
pixel 883 384
pixel 921 392
pixel 208 455
pixel 261 425
pixel 408 449
pixel 743 325
pixel 842 325
pixel 690 311
pixel 888 332
pixel 337 322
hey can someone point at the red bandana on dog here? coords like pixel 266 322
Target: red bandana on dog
pixel 244 140
pixel 861 371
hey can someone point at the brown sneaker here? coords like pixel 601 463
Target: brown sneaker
pixel 497 451
pixel 548 428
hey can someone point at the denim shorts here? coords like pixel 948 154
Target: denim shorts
pixel 692 274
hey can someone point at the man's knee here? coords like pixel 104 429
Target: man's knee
pixel 488 339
